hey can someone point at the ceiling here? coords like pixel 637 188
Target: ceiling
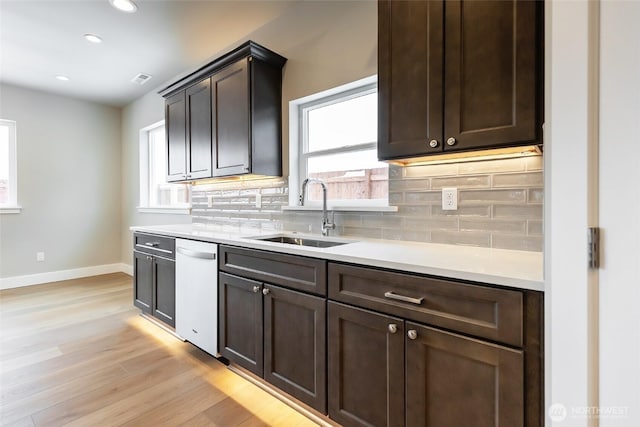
pixel 165 39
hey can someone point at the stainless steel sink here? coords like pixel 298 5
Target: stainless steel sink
pixel 302 241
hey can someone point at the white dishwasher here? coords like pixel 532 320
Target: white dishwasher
pixel 197 293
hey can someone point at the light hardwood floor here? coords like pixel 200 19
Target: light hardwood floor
pixel 78 353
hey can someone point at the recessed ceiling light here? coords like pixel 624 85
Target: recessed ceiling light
pixel 63 78
pixel 93 38
pixel 124 5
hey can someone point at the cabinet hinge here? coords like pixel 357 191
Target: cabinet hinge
pixel 593 242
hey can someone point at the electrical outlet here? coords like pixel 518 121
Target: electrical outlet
pixel 258 200
pixel 449 199
pixel 39 256
pixel 209 201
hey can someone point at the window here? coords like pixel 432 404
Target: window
pixel 156 195
pixel 335 141
pixel 8 168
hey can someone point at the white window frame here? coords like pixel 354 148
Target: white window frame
pixel 298 143
pixel 11 206
pixel 144 207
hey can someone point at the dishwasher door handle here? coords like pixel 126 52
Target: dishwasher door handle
pixel 196 254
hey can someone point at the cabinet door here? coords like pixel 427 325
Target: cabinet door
pixel 491 73
pixel 295 344
pixel 164 305
pixel 176 134
pixel 231 119
pixel 143 281
pixel 410 76
pixel 198 99
pixel 453 380
pixel 366 367
pixel 240 314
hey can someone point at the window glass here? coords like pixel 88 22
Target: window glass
pixel 158 193
pixel 343 123
pixel 337 144
pixel 8 164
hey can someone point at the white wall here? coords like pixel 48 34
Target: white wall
pixel 327 44
pixel 619 347
pixel 592 152
pixel 68 184
pixel 143 112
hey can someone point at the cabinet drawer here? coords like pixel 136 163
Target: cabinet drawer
pixel 305 274
pixel 156 245
pixel 485 312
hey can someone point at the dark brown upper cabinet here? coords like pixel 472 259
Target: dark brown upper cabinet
pixel 225 119
pixel 176 133
pixel 458 76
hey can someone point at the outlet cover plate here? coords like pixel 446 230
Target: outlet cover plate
pixel 450 199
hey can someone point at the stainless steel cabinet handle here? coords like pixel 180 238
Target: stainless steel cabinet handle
pixel 265 291
pixel 403 298
pixel 412 334
pixel 393 328
pixel 433 143
pixel 152 244
pixel 256 288
pixel 451 141
pixel 196 254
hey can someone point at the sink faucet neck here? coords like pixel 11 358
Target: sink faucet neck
pixel 326 224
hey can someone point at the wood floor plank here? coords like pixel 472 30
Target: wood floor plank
pixel 78 353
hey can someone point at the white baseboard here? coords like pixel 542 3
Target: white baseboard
pixel 56 276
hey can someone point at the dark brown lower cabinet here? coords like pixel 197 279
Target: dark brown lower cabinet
pixel 384 371
pixel 143 283
pixel 240 316
pixel 164 303
pixel 277 334
pixel 366 367
pixel 155 286
pixel 453 380
pixel 295 344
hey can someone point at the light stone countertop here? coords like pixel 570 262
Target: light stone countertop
pixel 517 269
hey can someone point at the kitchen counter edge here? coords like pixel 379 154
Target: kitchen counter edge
pixel 501 267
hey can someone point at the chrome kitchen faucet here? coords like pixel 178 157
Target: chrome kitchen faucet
pixel 326 224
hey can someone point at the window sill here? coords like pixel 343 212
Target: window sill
pixel 165 210
pixel 343 208
pixel 10 209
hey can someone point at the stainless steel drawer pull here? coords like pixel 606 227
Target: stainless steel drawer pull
pixel 196 254
pixel 153 245
pixel 403 298
pixel 145 246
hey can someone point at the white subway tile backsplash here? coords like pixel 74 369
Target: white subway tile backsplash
pixel 529 179
pixel 409 184
pixel 482 181
pixel 500 205
pixel 492 196
pixel 427 171
pixel 518 211
pixel 410 235
pixel 430 224
pixel 492 166
pixel 463 211
pixel 534 228
pixel 494 226
pixel 467 238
